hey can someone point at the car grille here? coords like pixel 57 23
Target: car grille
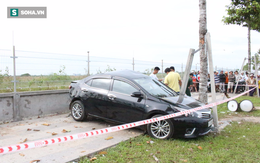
pixel 205 115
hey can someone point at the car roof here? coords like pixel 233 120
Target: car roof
pixel 129 74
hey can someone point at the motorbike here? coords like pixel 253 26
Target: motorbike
pixel 241 86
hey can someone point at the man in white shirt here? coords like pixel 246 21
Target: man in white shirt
pixel 242 77
pixel 153 74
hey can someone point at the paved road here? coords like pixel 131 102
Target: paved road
pixel 219 96
pixel 16 132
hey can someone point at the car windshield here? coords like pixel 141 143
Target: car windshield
pixel 155 87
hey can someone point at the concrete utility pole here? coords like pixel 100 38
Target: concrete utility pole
pixel 16 96
pixel 88 63
pixel 182 71
pixel 256 75
pixel 186 75
pixel 14 67
pixel 239 74
pixel 212 80
pixel 162 66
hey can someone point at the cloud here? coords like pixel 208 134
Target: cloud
pixel 147 30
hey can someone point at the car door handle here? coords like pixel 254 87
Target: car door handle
pixel 111 97
pixel 84 90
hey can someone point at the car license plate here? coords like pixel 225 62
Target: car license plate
pixel 210 123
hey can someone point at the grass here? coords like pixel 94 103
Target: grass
pixel 223 111
pixel 37 83
pixel 53 81
pixel 239 142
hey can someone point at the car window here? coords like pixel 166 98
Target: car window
pixel 155 87
pixel 101 83
pixel 123 87
pixel 88 82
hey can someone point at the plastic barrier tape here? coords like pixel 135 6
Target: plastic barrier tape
pixel 40 143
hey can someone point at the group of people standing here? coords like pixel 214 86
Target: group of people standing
pixel 195 77
pixel 172 79
pixel 224 82
pixel 227 81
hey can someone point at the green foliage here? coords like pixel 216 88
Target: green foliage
pixel 108 69
pixel 26 82
pixel 5 80
pixel 148 71
pixel 257 60
pixel 253 61
pixel 58 76
pixel 244 12
pixel 245 68
pixel 26 74
pixel 1 76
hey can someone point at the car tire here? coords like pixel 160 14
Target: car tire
pixel 78 112
pixel 163 129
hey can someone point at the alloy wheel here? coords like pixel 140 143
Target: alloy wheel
pixel 77 111
pixel 160 129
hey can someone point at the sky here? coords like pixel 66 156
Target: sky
pixel 148 30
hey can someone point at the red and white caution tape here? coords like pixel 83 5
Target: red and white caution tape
pixel 40 143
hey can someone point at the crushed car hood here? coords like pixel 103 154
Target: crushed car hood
pixel 186 103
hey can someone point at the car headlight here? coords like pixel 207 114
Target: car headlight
pixel 191 114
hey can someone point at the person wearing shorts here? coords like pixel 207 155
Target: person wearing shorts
pixel 231 80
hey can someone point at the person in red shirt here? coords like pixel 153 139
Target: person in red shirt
pixel 194 80
pixel 226 81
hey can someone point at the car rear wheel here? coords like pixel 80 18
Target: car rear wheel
pixel 78 111
pixel 163 129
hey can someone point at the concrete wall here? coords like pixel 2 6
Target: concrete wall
pixel 6 107
pixel 14 107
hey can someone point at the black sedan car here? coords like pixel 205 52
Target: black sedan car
pixel 128 96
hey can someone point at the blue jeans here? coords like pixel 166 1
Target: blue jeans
pixel 251 93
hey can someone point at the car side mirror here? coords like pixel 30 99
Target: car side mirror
pixel 137 94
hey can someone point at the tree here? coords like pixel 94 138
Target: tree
pixel 26 74
pixel 247 14
pixel 203 97
pixel 257 61
pixel 253 61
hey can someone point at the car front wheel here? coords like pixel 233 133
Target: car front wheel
pixel 78 111
pixel 163 129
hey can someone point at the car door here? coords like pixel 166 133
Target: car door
pixel 122 106
pixel 95 96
